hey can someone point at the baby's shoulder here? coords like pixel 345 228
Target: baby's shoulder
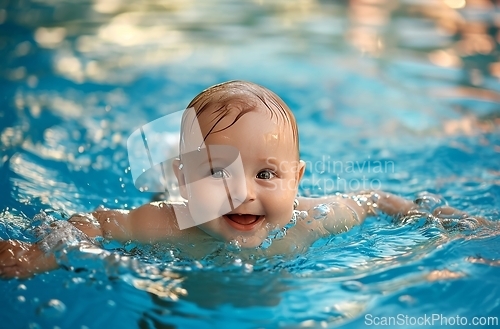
pixel 164 209
pixel 307 203
pixel 158 219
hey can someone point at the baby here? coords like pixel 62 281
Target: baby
pixel 239 170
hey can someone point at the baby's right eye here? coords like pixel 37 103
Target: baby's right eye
pixel 266 174
pixel 219 173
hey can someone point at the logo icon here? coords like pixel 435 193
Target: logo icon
pixel 211 176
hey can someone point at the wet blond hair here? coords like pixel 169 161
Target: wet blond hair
pixel 246 96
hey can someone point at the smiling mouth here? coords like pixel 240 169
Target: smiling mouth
pixel 243 222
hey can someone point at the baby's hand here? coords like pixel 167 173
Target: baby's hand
pixel 431 206
pixel 22 260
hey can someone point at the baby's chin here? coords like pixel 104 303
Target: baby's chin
pixel 251 242
pixel 242 241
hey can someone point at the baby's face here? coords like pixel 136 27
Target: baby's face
pixel 247 178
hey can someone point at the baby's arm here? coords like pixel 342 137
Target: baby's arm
pixel 151 222
pixel 348 210
pixel 336 213
pixel 22 259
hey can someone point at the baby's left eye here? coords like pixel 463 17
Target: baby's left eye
pixel 219 173
pixel 266 174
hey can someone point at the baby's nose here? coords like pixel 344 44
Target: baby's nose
pixel 250 190
pixel 243 190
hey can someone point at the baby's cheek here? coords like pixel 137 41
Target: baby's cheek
pixel 209 201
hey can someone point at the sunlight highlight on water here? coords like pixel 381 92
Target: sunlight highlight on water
pixel 398 95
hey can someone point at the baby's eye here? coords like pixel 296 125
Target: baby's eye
pixel 266 174
pixel 219 173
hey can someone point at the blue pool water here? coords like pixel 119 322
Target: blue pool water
pixel 398 95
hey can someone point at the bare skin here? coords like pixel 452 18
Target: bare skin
pixel 155 222
pixel 22 260
pixel 271 172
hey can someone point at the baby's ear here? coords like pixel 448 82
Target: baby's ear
pixel 301 170
pixel 181 180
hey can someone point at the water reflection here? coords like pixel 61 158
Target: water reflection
pixel 112 42
pixel 79 76
pixel 422 68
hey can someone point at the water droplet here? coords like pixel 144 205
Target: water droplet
pixel 266 243
pixel 303 215
pixel 281 233
pixel 320 266
pixel 199 148
pixel 53 308
pixel 352 286
pixel 111 302
pixel 77 280
pixel 21 299
pixel 320 212
pixel 274 230
pixel 407 299
pixel 233 245
pixel 428 201
pixel 21 287
pixel 248 268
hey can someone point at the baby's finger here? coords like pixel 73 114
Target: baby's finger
pixel 448 211
pixel 5 246
pixel 11 246
pixel 9 272
pixel 7 260
pixel 452 217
